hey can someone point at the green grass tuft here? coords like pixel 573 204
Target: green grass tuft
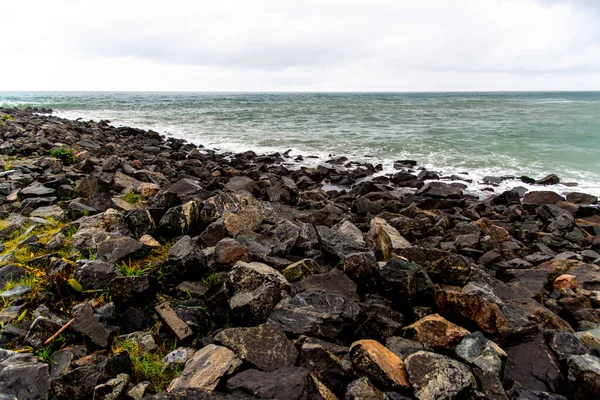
pixel 65 155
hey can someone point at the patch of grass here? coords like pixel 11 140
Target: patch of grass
pixel 133 269
pixel 65 155
pixel 148 366
pixel 212 280
pixel 131 197
pixel 7 117
pixel 46 353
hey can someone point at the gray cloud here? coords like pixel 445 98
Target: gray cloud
pixel 309 45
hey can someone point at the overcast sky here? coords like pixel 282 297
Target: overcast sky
pixel 300 45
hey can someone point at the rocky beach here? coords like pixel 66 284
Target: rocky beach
pixel 135 266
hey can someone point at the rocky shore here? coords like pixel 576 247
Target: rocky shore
pixel 135 266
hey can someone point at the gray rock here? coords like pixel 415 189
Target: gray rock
pixel 41 329
pixel 15 292
pixel 95 275
pixel 434 376
pixel 316 312
pixel 286 383
pixel 250 307
pixel 113 389
pixel 565 345
pixel 10 273
pixel 23 376
pixel 132 290
pixel 187 258
pixel 584 377
pixel 406 283
pixel 337 244
pixel 119 248
pixel 179 356
pixel 265 346
pixel 36 189
pixel 362 389
pixel 249 276
pixel 477 350
pixel 87 324
pixel 329 364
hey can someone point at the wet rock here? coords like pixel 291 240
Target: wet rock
pixel 383 239
pixel 285 383
pixel 316 312
pixel 549 180
pixel 442 190
pixel 265 346
pixel 380 365
pixel 584 376
pixel 206 368
pixel 95 275
pixel 23 376
pixel 542 197
pixel 434 376
pixel 581 198
pixel 436 331
pixel 187 258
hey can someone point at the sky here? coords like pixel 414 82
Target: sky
pixel 308 45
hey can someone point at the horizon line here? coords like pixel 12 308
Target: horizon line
pixel 302 91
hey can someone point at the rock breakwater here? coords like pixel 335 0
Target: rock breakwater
pixel 135 266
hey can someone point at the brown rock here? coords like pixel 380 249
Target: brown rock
pixel 383 239
pixel 229 251
pixel 206 368
pixel 382 366
pixel 146 189
pixel 565 281
pixel 497 233
pixel 298 270
pixel 436 331
pixel 542 197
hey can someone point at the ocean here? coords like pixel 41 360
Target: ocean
pixel 469 134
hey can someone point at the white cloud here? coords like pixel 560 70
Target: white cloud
pixel 309 45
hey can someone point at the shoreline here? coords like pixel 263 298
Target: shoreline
pixel 231 276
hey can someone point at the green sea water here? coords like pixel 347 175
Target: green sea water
pixel 479 134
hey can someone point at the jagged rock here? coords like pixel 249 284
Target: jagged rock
pixel 187 258
pixel 243 184
pixel 298 270
pixel 382 366
pixel 132 290
pixel 41 329
pixel 436 331
pixel 333 281
pixel 182 220
pixel 10 273
pixel 328 216
pixel 185 189
pixel 442 190
pixel 406 283
pixel 434 376
pixel 95 275
pixel 441 266
pixel 179 356
pixel 229 251
pixel 23 376
pixel 581 198
pixel 179 328
pixel 285 383
pixel 206 368
pixel 54 212
pixel 316 312
pixel 140 222
pixel 37 189
pixel 120 248
pixel 565 344
pixel 249 276
pixel 584 376
pixel 383 239
pixel 113 389
pixel 349 229
pixel 240 212
pixel 363 269
pixel 265 346
pixel 331 369
pixel 337 244
pixel 86 323
pixel 532 366
pixel 250 307
pixel 542 197
pixel 362 389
